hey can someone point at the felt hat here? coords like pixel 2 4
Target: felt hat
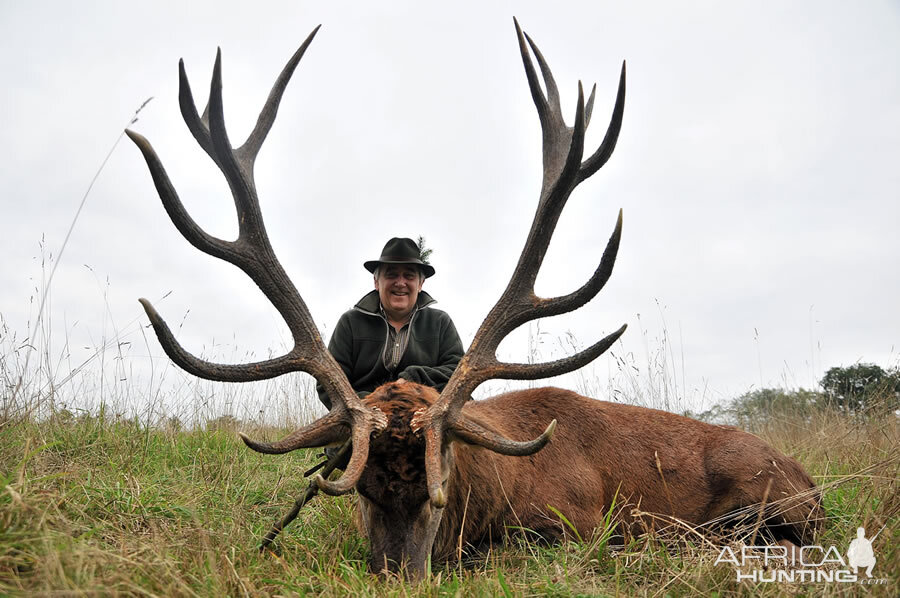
pixel 400 250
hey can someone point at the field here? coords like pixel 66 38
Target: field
pixel 102 499
pixel 97 504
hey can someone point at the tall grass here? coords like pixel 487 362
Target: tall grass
pixel 164 500
pixel 92 504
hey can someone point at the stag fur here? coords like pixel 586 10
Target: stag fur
pixel 601 453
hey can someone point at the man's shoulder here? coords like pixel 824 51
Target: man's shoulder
pixel 360 316
pixel 433 312
pixel 356 326
pixel 432 317
pixel 356 315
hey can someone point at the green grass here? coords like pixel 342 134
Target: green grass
pixel 93 506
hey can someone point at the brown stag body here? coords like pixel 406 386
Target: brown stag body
pixel 603 455
pixel 438 471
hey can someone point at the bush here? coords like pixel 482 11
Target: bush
pixel 862 386
pixel 758 406
pixel 754 409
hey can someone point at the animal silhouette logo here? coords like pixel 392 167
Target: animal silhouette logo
pixel 860 553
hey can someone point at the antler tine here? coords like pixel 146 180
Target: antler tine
pixel 563 149
pixel 267 115
pixel 589 108
pixel 314 434
pixel 238 172
pixel 245 372
pixel 537 94
pixel 549 81
pixel 197 125
pixel 603 153
pixel 589 290
pixel 358 458
pixel 186 225
pixel 537 371
pixel 559 192
pixel 328 430
pixel 471 432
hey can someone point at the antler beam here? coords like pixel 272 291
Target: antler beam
pixel 563 150
pixel 252 252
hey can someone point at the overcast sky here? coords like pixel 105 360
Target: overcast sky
pixel 758 169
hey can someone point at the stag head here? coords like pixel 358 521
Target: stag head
pixel 404 436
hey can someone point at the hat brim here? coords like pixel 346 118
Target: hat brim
pixel 425 268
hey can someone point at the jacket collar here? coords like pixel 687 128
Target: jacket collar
pixel 370 302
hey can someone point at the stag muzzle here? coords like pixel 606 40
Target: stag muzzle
pixel 398 543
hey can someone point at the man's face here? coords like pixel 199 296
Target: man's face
pixel 398 286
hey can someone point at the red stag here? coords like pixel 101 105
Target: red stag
pixel 436 471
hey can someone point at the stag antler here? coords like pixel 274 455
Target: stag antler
pixel 563 148
pixel 252 253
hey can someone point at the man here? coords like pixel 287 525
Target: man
pixel 393 333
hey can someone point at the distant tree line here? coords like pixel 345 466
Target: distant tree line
pixel 860 388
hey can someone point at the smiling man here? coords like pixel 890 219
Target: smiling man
pixel 393 333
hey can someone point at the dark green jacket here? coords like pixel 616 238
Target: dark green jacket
pixel 433 350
